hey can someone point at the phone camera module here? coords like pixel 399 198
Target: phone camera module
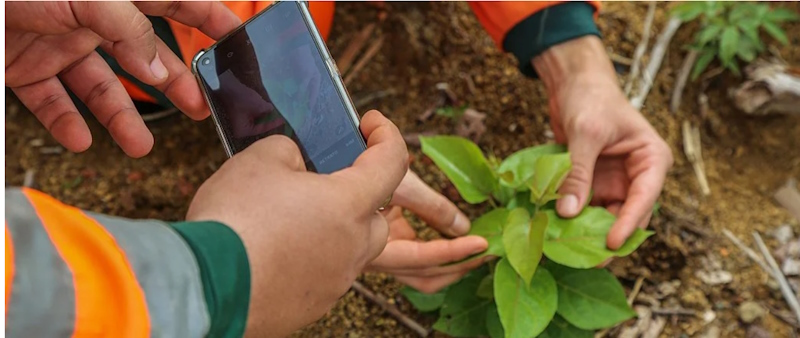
pixel 206 61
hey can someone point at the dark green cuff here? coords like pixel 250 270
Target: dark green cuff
pixel 548 28
pixel 225 272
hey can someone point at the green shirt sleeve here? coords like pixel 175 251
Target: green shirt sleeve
pixel 225 272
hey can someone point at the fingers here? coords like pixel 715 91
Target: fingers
pixel 642 195
pixel 379 235
pixel 181 87
pixel 276 152
pixel 409 254
pixel 584 150
pixel 433 208
pixel 431 284
pixel 93 81
pixel 377 172
pixel 210 17
pixel 130 36
pixel 52 106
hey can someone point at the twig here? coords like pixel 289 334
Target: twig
pixel 656 56
pixel 640 48
pixel 373 96
pixel 789 197
pixel 693 150
pixel 391 309
pixel 680 83
pixel 368 55
pixel 780 315
pixel 28 181
pixel 749 252
pixel 620 59
pixel 635 291
pixel 786 290
pixel 675 311
pixel 356 44
pixel 470 84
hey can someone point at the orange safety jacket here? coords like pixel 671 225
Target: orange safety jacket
pixel 524 29
pixel 81 274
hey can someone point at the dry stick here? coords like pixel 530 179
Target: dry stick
pixel 159 115
pixel 677 311
pixel 749 252
pixel 390 308
pixel 28 181
pixel 641 48
pixel 368 55
pixel 786 290
pixel 779 314
pixel 680 84
pixel 355 46
pixel 789 197
pixel 656 56
pixel 693 150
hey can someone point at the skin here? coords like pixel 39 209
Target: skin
pixel 614 150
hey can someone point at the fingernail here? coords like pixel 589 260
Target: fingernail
pixel 568 205
pixel 158 69
pixel 460 225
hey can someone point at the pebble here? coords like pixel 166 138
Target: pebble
pixel 783 234
pixel 709 316
pixel 755 331
pixel 712 332
pixel 37 142
pixel 791 267
pixel 714 277
pixel 694 298
pixel 750 311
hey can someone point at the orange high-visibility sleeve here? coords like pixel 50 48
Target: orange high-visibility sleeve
pixel 499 17
pixel 191 40
pixel 9 265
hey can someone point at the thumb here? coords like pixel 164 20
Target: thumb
pixel 575 189
pixel 128 35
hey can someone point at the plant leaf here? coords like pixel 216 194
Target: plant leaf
pixel 550 171
pixel 747 50
pixel 523 239
pixel 525 309
pixel 493 324
pixel 518 168
pixel 778 15
pixel 486 288
pixel 561 328
pixel 463 313
pixel 489 226
pixel 707 34
pixel 580 242
pixel 591 291
pixel 688 11
pixel 705 58
pixel 463 163
pixel 739 11
pixel 424 302
pixel 728 44
pixel 776 32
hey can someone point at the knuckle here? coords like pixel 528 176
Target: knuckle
pixel 99 91
pixel 586 126
pixel 173 8
pixel 141 27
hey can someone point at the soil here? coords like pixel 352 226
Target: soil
pixel 746 158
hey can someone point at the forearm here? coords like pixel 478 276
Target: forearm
pixel 85 273
pixel 582 59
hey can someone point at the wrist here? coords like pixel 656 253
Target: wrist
pixel 581 59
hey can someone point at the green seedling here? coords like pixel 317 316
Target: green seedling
pixel 543 280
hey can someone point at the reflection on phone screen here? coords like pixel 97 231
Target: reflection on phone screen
pixel 270 78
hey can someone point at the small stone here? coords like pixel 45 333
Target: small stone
pixel 773 285
pixel 783 234
pixel 712 332
pixel 709 316
pixel 666 289
pixel 37 142
pixel 549 134
pixel 714 277
pixel 694 298
pixel 791 267
pixel 755 331
pixel 721 305
pixel 512 127
pixel 750 311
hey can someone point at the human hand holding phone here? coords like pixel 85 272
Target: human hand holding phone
pixel 307 236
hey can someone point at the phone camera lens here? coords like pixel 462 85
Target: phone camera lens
pixel 206 61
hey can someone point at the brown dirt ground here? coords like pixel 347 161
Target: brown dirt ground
pixel 426 43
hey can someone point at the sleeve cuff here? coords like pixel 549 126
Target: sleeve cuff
pixel 225 272
pixel 547 28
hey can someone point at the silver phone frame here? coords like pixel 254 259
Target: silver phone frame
pixel 333 72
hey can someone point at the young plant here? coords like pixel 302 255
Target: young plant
pixel 730 30
pixel 452 112
pixel 522 294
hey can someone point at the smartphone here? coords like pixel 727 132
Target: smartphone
pixel 275 75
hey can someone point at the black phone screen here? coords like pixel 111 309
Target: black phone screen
pixel 270 77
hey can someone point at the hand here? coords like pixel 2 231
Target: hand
pixel 307 236
pixel 419 264
pixel 614 150
pixel 50 45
